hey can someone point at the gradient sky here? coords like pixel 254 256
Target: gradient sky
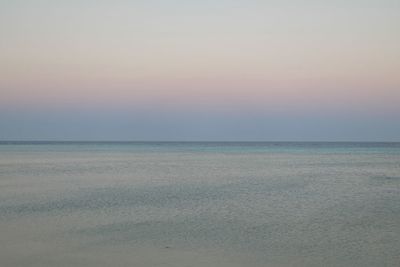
pixel 200 70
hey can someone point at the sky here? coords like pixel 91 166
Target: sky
pixel 289 70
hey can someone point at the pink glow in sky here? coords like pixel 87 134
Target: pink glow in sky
pixel 252 56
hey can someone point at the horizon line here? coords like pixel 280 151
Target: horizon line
pixel 195 141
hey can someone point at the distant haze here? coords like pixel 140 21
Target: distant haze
pixel 200 70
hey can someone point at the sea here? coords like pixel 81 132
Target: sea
pixel 195 204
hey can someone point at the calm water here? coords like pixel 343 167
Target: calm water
pixel 199 204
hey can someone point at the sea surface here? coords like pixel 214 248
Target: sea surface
pixel 199 204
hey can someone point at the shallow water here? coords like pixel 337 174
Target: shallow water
pixel 199 204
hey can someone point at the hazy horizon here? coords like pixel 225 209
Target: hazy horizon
pixel 188 70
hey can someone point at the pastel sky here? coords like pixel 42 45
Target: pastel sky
pixel 200 70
